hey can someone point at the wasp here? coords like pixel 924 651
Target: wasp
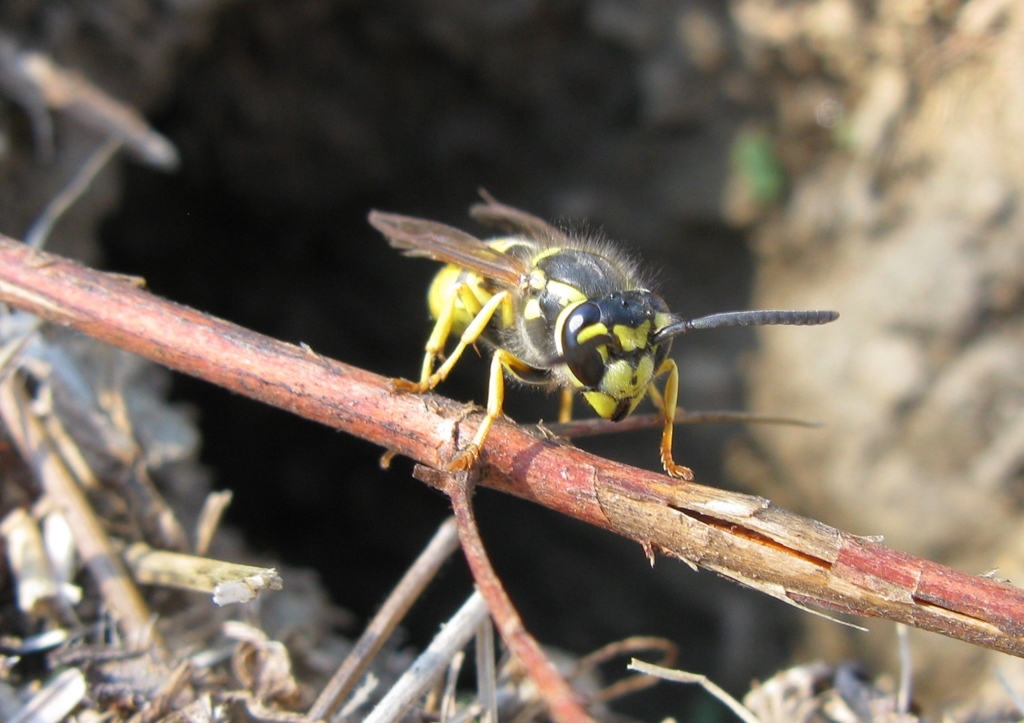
pixel 554 309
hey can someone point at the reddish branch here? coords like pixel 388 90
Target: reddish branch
pixel 561 700
pixel 741 537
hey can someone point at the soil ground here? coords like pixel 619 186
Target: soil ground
pixel 865 157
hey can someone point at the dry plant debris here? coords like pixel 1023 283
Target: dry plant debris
pixel 84 524
pixel 90 442
pixel 81 495
pixel 41 86
pixel 744 538
pixel 99 646
pixel 800 561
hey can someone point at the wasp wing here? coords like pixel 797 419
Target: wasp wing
pixel 437 241
pixel 496 214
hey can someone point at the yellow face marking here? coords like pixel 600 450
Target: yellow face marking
pixel 589 332
pixel 632 338
pixel 621 381
pixel 532 309
pixel 602 403
pixel 644 375
pixel 560 323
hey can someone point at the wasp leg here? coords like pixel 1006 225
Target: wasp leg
pixel 667 402
pixel 435 344
pixel 438 337
pixel 440 334
pixel 500 361
pixel 565 410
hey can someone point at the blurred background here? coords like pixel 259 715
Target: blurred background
pixel 858 156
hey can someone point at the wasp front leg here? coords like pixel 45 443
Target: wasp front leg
pixel 500 361
pixel 667 402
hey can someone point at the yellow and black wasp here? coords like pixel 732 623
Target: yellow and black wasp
pixel 556 310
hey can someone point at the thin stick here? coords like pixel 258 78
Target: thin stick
pixel 744 538
pixel 669 651
pixel 681 676
pixel 230 582
pixel 428 668
pixel 87 103
pixel 214 507
pixel 557 694
pixel 447 700
pixel 94 547
pixel 904 694
pixel 486 674
pixel 408 590
pixel 163 703
pixel 592 427
pixel 40 230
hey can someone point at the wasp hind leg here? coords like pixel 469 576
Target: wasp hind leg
pixel 667 402
pixel 438 337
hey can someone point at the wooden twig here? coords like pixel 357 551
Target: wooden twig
pixel 214 507
pixel 39 84
pixel 577 428
pixel 744 538
pixel 408 590
pixel 681 676
pixel 94 546
pixel 429 667
pixel 630 646
pixel 561 700
pixel 230 582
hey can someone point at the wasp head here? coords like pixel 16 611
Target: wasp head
pixel 608 345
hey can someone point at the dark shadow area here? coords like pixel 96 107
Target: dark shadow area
pixel 299 118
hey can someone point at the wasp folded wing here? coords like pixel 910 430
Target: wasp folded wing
pixel 437 241
pixel 494 213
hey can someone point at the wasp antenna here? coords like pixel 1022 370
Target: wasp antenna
pixel 746 318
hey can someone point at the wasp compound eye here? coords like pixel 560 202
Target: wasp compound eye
pixel 582 334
